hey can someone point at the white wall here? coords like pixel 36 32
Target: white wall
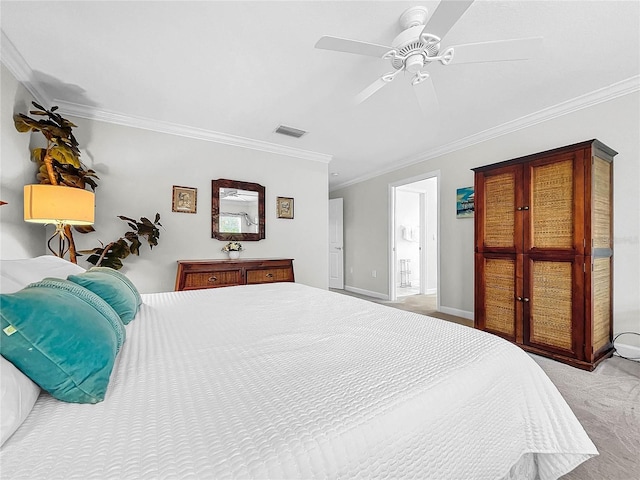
pixel 615 122
pixel 137 169
pixel 17 238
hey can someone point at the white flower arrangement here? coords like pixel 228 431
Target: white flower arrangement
pixel 232 247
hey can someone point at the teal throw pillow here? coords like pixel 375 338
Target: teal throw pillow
pixel 113 287
pixel 62 336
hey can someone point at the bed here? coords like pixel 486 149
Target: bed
pixel 289 381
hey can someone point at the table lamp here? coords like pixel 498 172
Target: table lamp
pixel 61 206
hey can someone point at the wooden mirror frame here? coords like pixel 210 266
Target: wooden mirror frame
pixel 216 185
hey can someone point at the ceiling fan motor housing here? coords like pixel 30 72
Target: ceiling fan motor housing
pixel 409 43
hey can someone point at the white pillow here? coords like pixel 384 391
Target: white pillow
pixel 18 394
pixel 17 274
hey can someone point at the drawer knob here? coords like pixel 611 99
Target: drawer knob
pixel 269 275
pixel 212 279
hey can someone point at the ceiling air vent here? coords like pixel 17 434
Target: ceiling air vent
pixel 290 131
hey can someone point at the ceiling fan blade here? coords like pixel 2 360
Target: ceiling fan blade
pixel 352 46
pixel 370 90
pixel 497 51
pixel 445 16
pixel 427 99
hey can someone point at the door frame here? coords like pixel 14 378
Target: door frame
pixel 340 247
pixel 392 227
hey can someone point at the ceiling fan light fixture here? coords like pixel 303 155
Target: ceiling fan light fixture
pixel 414 63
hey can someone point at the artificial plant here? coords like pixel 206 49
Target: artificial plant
pixel 59 164
pixel 113 253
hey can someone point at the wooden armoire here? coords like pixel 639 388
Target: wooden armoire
pixel 544 250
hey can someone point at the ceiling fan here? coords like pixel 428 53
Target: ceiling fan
pixel 419 45
pixel 234 194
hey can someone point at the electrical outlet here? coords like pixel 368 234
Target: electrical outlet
pixel 374 274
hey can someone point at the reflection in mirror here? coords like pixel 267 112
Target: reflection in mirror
pixel 237 210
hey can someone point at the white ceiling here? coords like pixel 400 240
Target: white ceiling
pixel 233 71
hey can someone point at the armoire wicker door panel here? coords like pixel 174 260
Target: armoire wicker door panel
pixel 499 311
pixel 554 197
pixel 553 304
pixel 496 200
pixel 544 250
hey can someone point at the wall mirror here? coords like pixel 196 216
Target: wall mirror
pixel 237 210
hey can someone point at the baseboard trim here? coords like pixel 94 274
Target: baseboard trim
pixel 628 351
pixel 368 293
pixel 456 312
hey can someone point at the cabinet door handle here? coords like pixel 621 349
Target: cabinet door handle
pixel 269 275
pixel 525 208
pixel 519 299
pixel 525 299
pixel 212 279
pixel 519 209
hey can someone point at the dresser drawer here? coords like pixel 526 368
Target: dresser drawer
pixel 269 275
pixel 212 279
pixel 197 274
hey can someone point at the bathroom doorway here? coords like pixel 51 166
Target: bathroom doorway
pixel 413 235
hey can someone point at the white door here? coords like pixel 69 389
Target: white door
pixel 336 253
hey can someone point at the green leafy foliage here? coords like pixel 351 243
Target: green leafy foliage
pixel 59 164
pixel 62 148
pixel 112 254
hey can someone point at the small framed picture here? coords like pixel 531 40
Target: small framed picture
pixel 465 202
pixel 185 199
pixel 284 207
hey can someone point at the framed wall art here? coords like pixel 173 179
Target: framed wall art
pixel 284 207
pixel 185 199
pixel 465 202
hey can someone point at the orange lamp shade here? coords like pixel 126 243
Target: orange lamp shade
pixel 58 204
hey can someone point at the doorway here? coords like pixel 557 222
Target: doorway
pixel 336 244
pixel 414 238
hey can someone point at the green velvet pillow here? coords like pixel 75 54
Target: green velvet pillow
pixel 62 336
pixel 113 287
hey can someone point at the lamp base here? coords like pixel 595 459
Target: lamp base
pixel 63 242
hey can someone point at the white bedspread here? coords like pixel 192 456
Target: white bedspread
pixel 287 381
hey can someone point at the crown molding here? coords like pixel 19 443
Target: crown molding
pixel 605 94
pixel 93 113
pixel 21 70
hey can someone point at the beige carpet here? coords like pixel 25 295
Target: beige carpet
pixel 605 401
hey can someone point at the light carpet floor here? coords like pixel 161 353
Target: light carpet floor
pixel 605 401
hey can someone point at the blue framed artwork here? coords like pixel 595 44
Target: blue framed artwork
pixel 464 202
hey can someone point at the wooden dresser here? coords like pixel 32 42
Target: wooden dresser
pixel 198 274
pixel 543 252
